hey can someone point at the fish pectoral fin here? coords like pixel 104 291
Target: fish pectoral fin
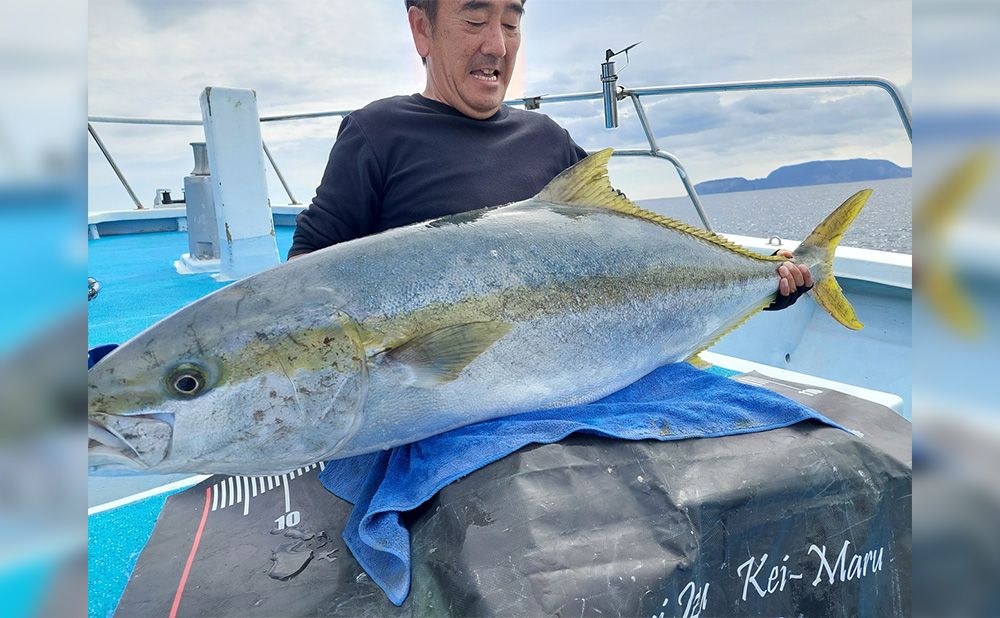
pixel 440 356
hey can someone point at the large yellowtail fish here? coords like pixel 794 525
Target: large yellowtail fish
pixel 557 300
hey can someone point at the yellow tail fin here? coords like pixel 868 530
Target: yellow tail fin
pixel 819 247
pixel 937 212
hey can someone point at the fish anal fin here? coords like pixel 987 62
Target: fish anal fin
pixel 697 362
pixel 440 356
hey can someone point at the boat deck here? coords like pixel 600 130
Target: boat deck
pixel 139 284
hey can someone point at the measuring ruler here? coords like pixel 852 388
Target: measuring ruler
pixel 241 490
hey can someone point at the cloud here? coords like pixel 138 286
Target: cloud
pixel 153 58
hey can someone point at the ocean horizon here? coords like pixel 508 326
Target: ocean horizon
pixel 791 213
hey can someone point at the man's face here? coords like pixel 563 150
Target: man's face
pixel 470 52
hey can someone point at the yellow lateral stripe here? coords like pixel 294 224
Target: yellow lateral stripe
pixel 587 184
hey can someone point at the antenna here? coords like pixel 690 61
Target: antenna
pixel 609 85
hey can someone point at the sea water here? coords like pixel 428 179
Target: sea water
pixel 791 213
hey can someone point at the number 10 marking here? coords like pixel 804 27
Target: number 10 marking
pixel 288 520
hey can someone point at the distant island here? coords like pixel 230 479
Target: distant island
pixel 810 173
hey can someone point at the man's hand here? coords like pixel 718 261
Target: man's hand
pixel 793 276
pixel 794 280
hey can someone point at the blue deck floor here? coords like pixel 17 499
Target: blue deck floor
pixel 115 538
pixel 139 284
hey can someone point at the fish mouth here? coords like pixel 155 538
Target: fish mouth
pixel 127 444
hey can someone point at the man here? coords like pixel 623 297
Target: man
pixel 455 147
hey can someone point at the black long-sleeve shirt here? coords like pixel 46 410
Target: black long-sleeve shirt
pixel 408 158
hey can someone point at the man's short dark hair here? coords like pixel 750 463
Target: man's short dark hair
pixel 430 7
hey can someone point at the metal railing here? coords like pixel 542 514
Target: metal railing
pixel 902 109
pixel 183 122
pixel 535 102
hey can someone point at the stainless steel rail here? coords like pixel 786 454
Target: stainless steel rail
pixel 902 108
pixel 534 102
pixel 655 151
pixel 183 122
pixel 681 173
pixel 114 166
pixel 281 177
pixel 171 122
pixel 305 115
pixel 198 123
pixel 153 121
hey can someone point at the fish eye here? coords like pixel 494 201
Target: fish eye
pixel 187 380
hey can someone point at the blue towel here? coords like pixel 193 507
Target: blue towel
pixel 383 485
pixel 94 355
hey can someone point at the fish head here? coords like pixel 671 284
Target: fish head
pixel 231 384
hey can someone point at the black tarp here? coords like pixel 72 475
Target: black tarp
pixel 806 520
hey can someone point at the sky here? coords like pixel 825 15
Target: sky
pixel 44 80
pixel 150 58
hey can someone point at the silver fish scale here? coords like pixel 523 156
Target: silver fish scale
pixel 296 355
pixel 596 300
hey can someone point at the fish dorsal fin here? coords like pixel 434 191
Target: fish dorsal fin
pixel 587 184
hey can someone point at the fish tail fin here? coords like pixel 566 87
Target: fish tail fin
pixel 936 213
pixel 944 293
pixel 819 248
